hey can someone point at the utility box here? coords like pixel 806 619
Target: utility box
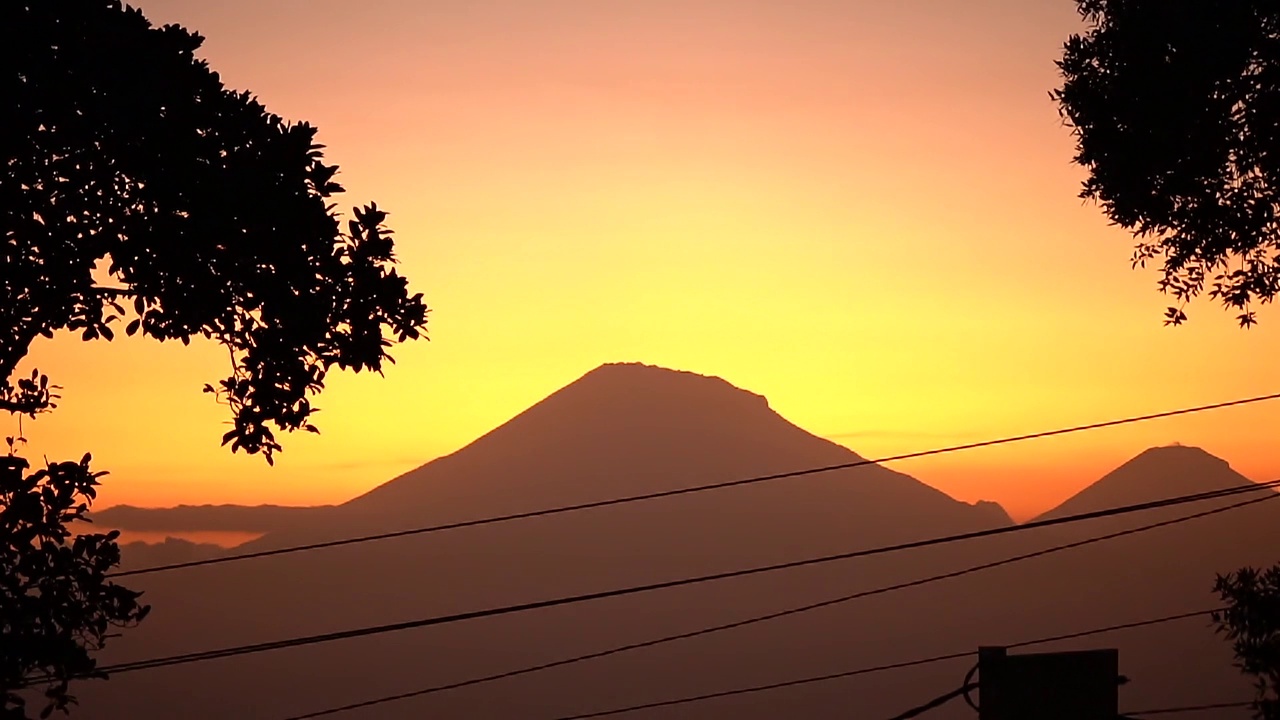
pixel 1081 685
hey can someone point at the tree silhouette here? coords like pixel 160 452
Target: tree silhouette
pixel 1175 106
pixel 56 604
pixel 137 193
pixel 1251 621
pixel 202 214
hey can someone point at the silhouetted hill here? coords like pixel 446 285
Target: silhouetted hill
pixel 993 512
pixel 627 429
pixel 172 550
pixel 1155 473
pixel 232 518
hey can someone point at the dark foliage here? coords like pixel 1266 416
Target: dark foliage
pixel 203 214
pixel 138 194
pixel 56 605
pixel 1251 621
pixel 1175 105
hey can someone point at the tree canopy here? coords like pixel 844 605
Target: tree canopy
pixel 140 194
pixel 56 604
pixel 1251 621
pixel 1175 106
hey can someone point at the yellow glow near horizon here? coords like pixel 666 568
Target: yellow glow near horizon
pixel 865 212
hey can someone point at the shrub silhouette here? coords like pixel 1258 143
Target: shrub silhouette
pixel 1251 621
pixel 56 604
pixel 140 195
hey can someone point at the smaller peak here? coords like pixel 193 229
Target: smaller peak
pixel 1153 474
pixel 993 512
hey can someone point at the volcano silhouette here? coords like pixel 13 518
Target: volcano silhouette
pixel 630 429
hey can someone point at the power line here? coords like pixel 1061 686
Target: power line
pixel 686 491
pixel 969 687
pixel 771 686
pixel 875 669
pixel 1113 628
pixel 936 702
pixel 447 619
pixel 620 592
pixel 1189 708
pixel 825 603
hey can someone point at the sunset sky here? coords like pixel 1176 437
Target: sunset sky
pixel 864 211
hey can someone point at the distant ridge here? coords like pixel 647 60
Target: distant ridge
pixel 1155 473
pixel 171 550
pixel 231 518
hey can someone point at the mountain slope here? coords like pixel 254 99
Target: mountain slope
pixel 1155 473
pixel 625 429
pixel 622 430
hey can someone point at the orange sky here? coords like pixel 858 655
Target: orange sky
pixel 864 211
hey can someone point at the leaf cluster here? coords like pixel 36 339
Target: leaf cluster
pixel 29 396
pixel 56 604
pixel 126 157
pixel 1251 621
pixel 1175 107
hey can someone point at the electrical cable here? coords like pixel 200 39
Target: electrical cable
pixel 811 606
pixel 683 491
pixel 1189 708
pixel 936 702
pixel 620 592
pixel 881 668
